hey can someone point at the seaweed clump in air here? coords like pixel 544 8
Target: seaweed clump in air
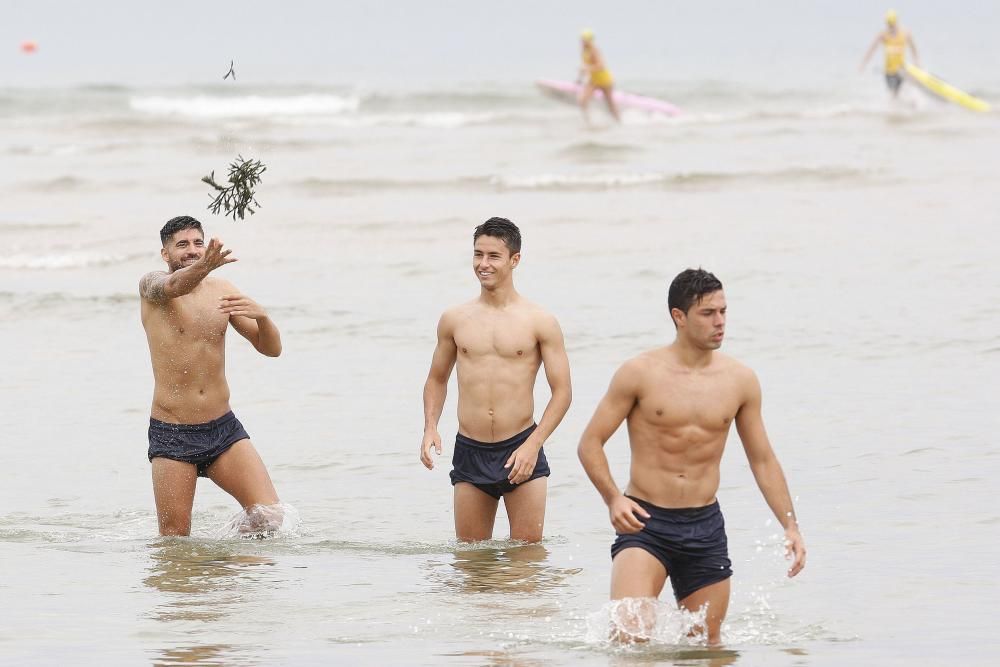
pixel 237 198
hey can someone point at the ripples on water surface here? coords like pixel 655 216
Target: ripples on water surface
pixel 857 243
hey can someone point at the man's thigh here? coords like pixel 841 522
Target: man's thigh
pixel 525 507
pixel 475 512
pixel 636 573
pixel 240 472
pixel 174 483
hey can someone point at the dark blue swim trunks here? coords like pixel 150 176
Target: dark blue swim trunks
pixel 199 444
pixel 481 463
pixel 690 542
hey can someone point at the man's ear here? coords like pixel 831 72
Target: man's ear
pixel 515 259
pixel 163 254
pixel 678 316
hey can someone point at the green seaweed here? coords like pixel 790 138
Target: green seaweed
pixel 238 197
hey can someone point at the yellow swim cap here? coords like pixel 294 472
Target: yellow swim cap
pixel 587 34
pixel 890 17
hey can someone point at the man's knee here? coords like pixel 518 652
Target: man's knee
pixel 175 528
pixel 174 521
pixel 528 534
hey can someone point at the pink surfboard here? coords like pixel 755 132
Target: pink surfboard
pixel 567 91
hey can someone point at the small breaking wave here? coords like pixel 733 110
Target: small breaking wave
pixel 442 119
pixel 327 186
pixel 596 151
pixel 586 182
pixel 58 184
pixel 347 111
pixel 71 260
pixel 250 106
pixel 36 226
pixel 611 181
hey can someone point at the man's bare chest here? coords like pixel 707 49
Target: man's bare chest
pixel 710 403
pixel 194 319
pixel 509 339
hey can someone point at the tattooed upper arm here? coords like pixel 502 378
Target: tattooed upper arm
pixel 152 286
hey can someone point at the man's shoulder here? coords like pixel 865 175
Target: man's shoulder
pixel 453 316
pixel 151 276
pixel 458 311
pixel 730 364
pixel 653 356
pixel 644 363
pixel 542 318
pixel 736 372
pixel 151 286
pixel 215 283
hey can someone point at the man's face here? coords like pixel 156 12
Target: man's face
pixel 704 325
pixel 492 261
pixel 184 248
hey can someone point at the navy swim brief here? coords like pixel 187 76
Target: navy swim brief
pixel 690 542
pixel 481 463
pixel 200 444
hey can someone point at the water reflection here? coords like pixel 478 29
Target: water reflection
pixel 202 582
pixel 500 659
pixel 215 654
pixel 689 657
pixel 510 568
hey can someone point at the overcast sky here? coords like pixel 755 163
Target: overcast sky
pixel 442 41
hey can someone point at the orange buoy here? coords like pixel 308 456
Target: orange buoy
pixel 28 46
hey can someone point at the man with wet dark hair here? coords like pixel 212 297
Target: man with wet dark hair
pixel 679 402
pixel 192 431
pixel 503 229
pixel 688 288
pixel 499 341
pixel 177 224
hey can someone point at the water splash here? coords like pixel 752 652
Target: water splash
pixel 753 618
pixel 646 621
pixel 262 522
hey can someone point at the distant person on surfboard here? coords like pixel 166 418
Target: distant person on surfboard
pixel 894 40
pixel 597 75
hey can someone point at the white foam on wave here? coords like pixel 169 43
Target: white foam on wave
pixel 59 261
pixel 602 181
pixel 427 119
pixel 578 181
pixel 249 106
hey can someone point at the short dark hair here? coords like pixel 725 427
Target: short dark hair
pixel 503 229
pixel 689 287
pixel 175 225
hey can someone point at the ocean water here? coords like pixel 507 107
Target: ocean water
pixel 857 242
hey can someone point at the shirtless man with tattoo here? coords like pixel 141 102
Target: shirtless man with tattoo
pixel 192 430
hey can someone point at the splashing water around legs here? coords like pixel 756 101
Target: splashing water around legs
pixel 262 521
pixel 644 620
pixel 635 621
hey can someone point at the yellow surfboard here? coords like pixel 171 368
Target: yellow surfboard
pixel 945 90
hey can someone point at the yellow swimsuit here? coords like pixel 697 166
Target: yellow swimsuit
pixel 600 78
pixel 895 51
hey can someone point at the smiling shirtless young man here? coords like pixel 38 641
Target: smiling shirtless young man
pixel 192 430
pixel 498 341
pixel 679 402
